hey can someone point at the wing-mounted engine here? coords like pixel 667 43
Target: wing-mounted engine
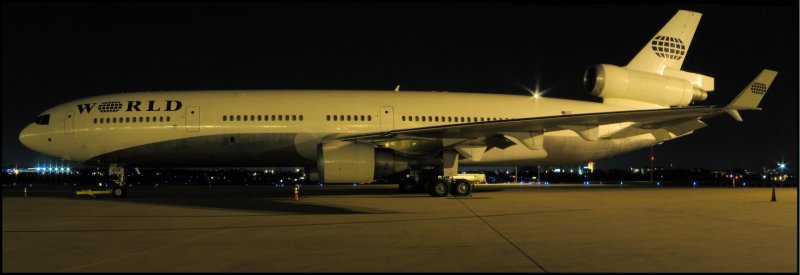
pixel 672 88
pixel 353 162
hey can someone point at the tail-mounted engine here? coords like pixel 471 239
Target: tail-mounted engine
pixel 671 88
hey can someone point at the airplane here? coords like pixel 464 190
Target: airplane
pixel 346 136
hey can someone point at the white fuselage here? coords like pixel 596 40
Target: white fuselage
pixel 284 128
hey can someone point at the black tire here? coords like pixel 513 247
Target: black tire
pixel 408 187
pixel 119 191
pixel 439 189
pixel 461 188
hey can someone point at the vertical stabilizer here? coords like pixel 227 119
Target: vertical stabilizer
pixel 668 48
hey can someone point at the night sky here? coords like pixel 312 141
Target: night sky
pixel 53 53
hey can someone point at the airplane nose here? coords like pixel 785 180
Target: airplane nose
pixel 25 137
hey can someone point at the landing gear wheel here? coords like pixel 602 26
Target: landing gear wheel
pixel 119 191
pixel 439 189
pixel 408 187
pixel 461 188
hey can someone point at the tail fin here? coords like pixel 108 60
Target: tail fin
pixel 669 46
pixel 751 95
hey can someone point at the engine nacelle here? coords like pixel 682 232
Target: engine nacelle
pixel 351 162
pixel 387 162
pixel 609 81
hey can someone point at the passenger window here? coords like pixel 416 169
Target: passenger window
pixel 147 119
pixel 404 118
pixel 369 118
pixel 259 117
pixel 238 117
pixel 273 117
pixel 127 119
pixel 294 117
pixel 252 117
pixel 362 117
pixel 101 121
pixel 161 119
pixel 286 117
pixel 95 121
pixel 416 118
pixel 348 117
pixel 301 117
pixel 245 117
pixel 141 119
pixel 167 118
pixel 328 117
pixel 114 120
pixel 335 118
pixel 224 118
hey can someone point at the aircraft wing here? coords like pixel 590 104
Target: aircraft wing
pixel 663 124
pixel 586 125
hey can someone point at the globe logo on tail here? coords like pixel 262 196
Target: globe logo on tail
pixel 758 88
pixel 668 47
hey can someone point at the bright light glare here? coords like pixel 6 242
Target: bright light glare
pixel 536 92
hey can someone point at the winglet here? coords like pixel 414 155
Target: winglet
pixel 751 95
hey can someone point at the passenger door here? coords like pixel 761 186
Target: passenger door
pixel 69 123
pixel 192 119
pixel 387 118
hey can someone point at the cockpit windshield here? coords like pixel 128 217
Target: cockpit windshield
pixel 42 119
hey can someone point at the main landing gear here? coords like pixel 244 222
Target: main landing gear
pixel 442 187
pixel 447 184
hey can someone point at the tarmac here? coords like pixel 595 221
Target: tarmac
pixel 375 228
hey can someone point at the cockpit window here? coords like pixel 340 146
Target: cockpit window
pixel 42 119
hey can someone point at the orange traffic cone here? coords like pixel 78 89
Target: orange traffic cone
pixel 773 193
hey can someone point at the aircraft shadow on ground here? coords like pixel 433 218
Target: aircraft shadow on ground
pixel 243 198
